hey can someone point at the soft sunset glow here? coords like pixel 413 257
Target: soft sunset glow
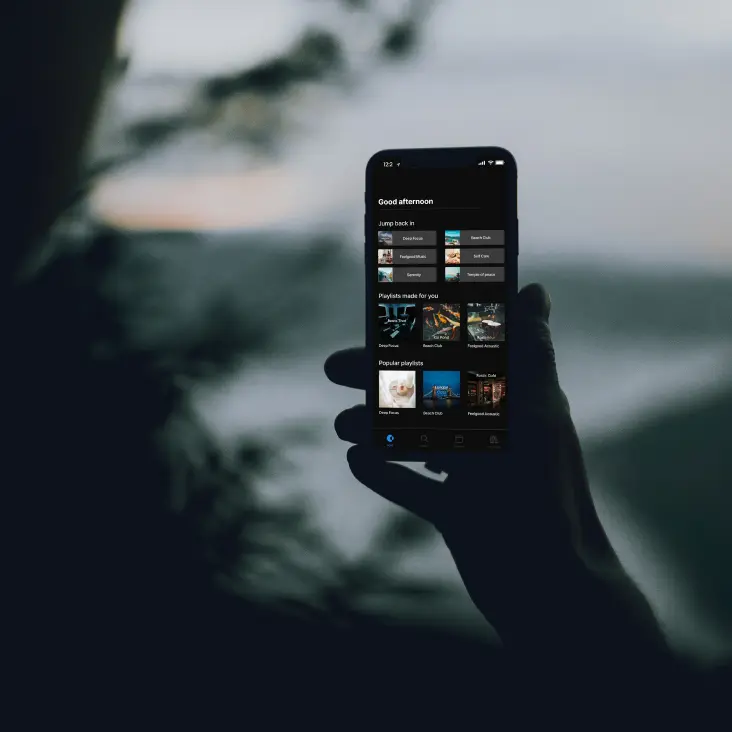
pixel 200 202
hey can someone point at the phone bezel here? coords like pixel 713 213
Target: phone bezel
pixel 456 157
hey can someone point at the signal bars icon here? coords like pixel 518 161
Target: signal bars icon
pixel 483 162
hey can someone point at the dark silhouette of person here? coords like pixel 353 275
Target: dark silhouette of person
pixel 530 548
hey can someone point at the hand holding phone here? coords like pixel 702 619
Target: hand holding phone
pixel 459 373
pixel 520 522
pixel 522 529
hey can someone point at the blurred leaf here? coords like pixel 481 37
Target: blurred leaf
pixel 319 52
pixel 158 130
pixel 255 457
pixel 400 39
pixel 316 55
pixel 271 77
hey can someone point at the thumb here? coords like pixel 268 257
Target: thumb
pixel 536 383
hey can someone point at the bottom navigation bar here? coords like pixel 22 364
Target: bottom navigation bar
pixel 431 440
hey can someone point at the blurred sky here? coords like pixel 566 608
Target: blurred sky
pixel 618 112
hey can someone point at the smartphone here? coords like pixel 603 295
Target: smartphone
pixel 441 283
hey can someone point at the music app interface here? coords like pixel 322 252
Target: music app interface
pixel 439 311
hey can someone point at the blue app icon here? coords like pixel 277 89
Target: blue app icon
pixel 390 439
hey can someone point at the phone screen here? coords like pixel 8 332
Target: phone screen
pixel 441 255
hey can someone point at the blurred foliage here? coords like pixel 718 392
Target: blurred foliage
pixel 173 314
pixel 252 105
pixel 315 56
pixel 129 393
pixel 145 549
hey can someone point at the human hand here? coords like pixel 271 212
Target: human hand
pixel 521 525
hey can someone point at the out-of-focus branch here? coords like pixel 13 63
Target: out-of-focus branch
pixel 252 105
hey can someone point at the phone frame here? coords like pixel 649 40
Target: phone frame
pixel 455 157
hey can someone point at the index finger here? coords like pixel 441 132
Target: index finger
pixel 348 368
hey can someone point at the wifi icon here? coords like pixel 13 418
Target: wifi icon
pixel 490 162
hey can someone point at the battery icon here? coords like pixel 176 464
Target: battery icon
pixel 499 162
